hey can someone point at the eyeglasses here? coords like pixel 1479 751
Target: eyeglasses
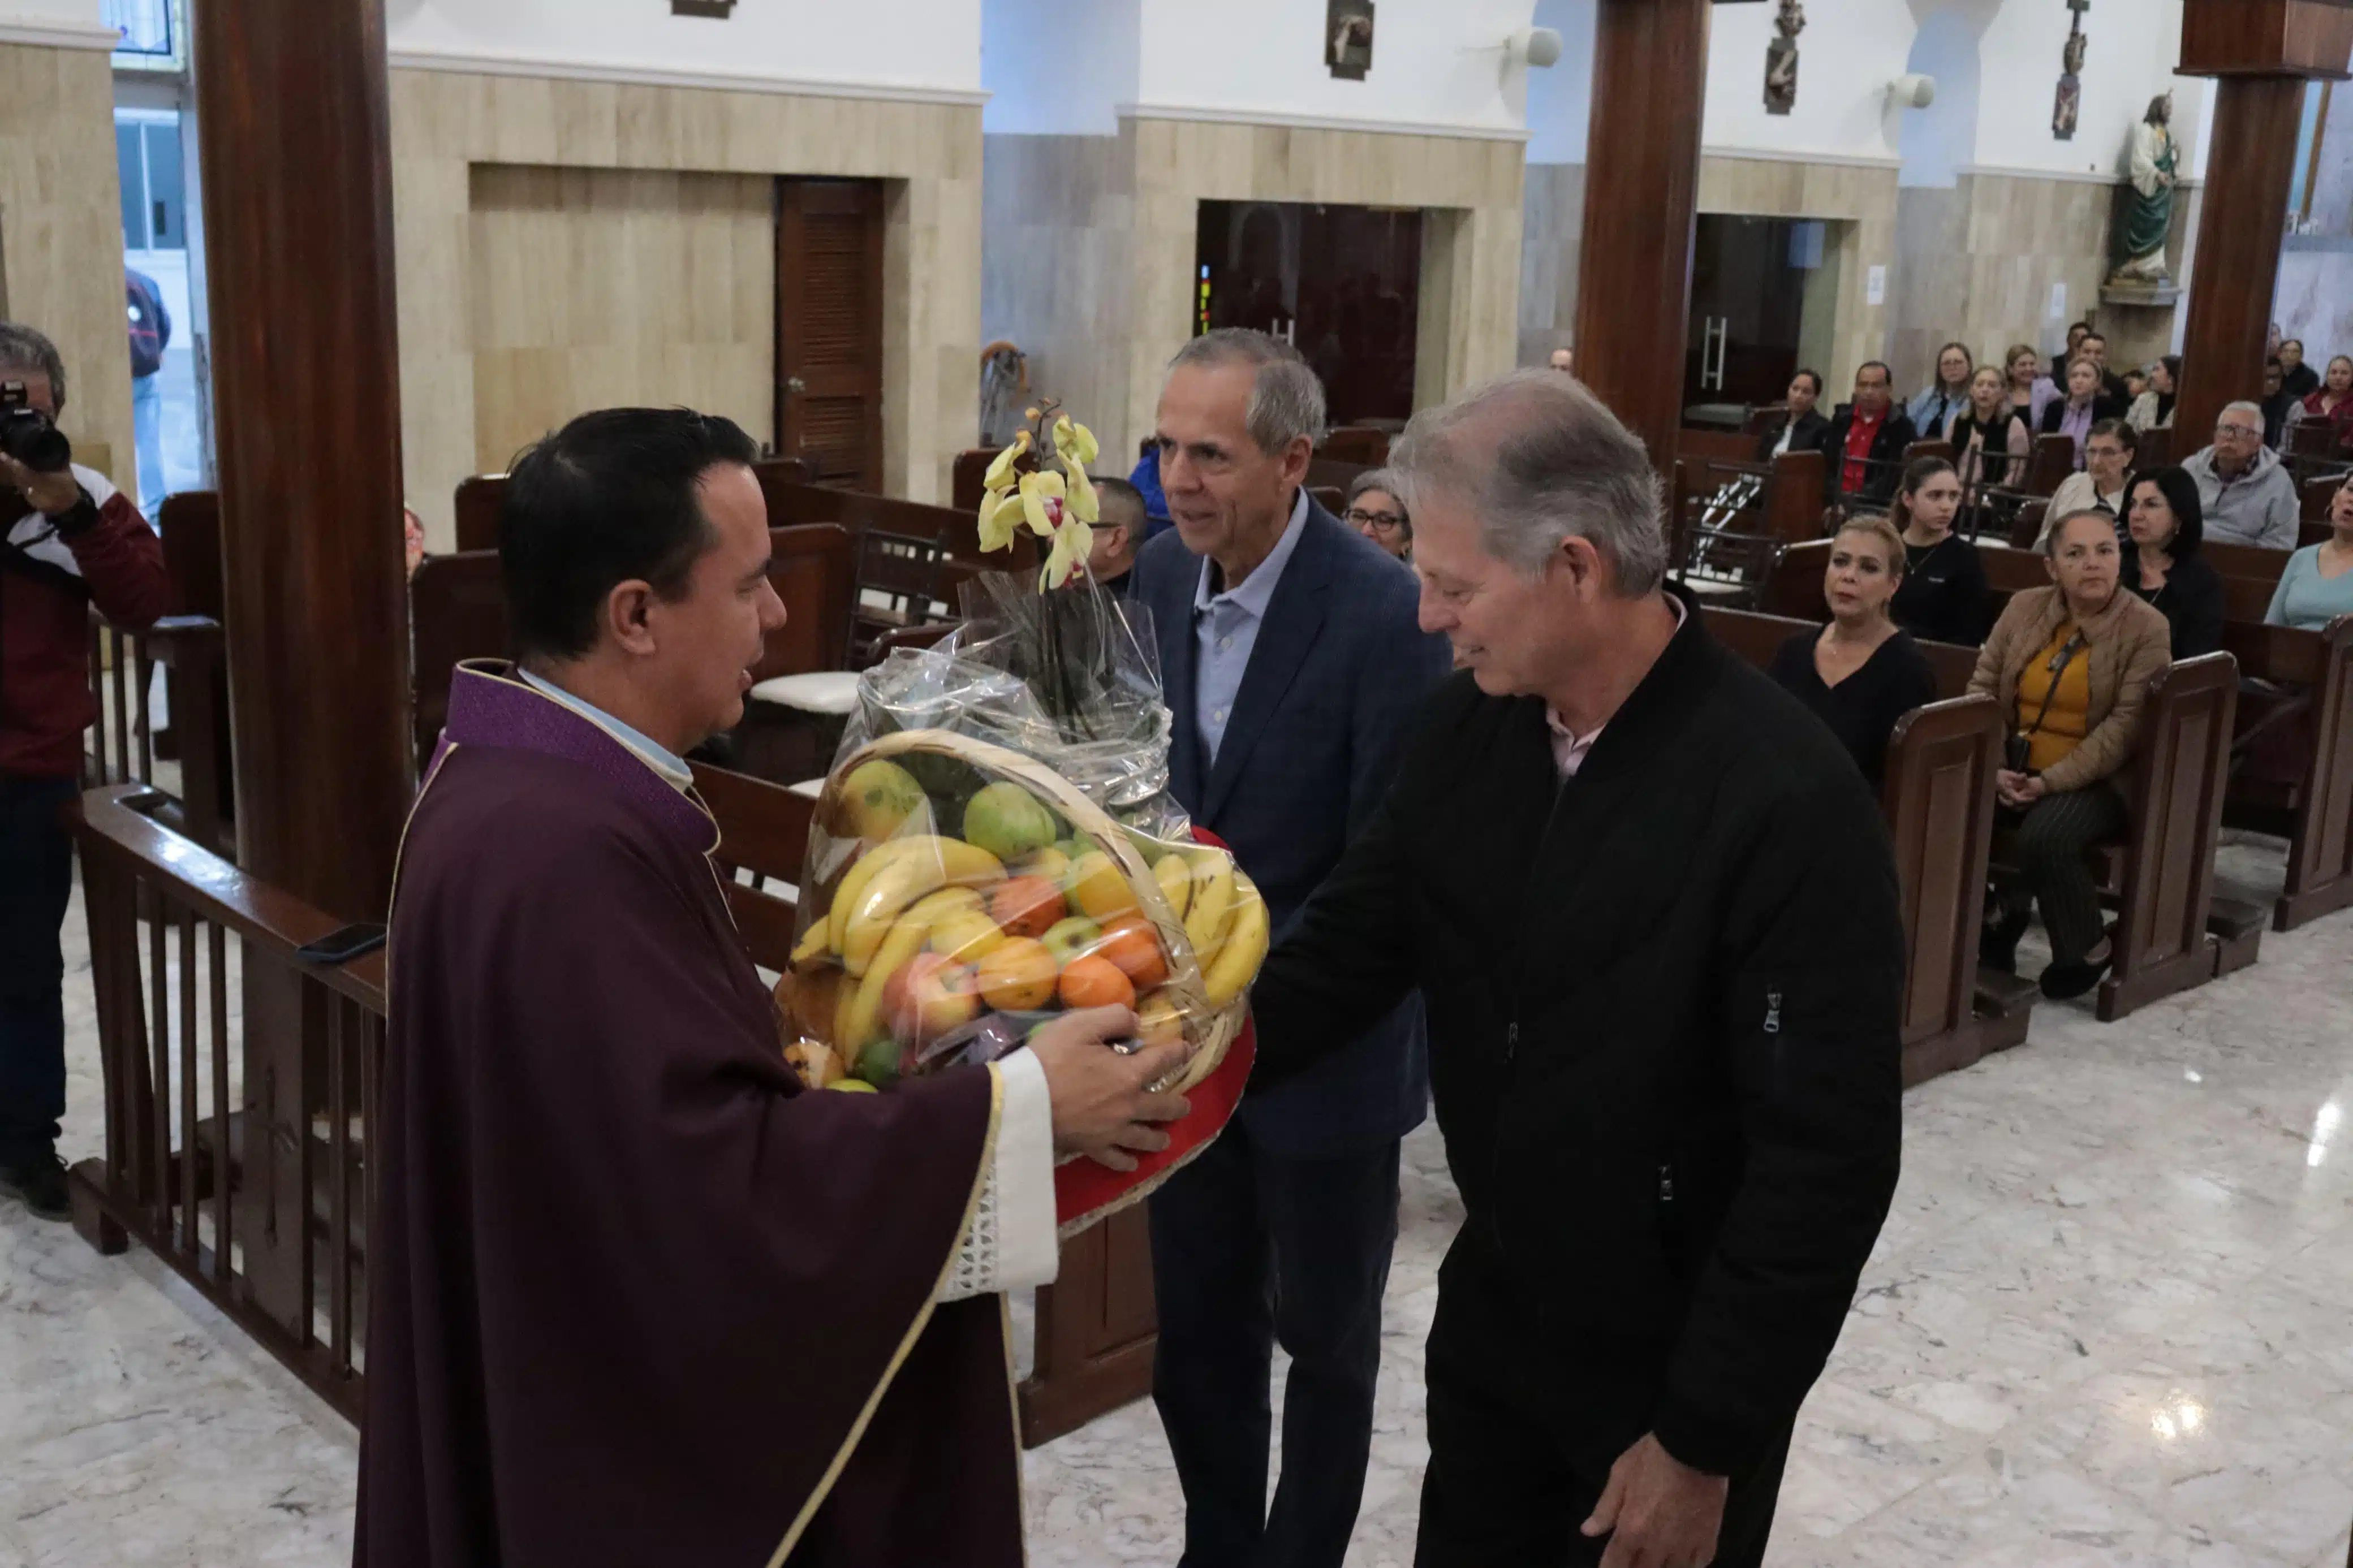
pixel 1384 520
pixel 2234 431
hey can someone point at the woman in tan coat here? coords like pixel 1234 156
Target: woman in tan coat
pixel 2072 662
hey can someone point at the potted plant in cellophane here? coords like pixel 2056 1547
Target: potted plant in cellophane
pixel 996 842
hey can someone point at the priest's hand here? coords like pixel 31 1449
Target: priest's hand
pixel 1104 1105
pixel 1658 1511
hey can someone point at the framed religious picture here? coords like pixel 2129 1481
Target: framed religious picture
pixel 1348 38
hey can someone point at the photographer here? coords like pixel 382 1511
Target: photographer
pixel 66 541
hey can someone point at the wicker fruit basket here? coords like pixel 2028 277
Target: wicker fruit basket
pixel 958 893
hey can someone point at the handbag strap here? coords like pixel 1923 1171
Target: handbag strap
pixel 2066 655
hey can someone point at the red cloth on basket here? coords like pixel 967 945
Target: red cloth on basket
pixel 1085 1190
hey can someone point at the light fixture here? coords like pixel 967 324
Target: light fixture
pixel 1913 91
pixel 1538 46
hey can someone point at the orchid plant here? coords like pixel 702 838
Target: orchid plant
pixel 1056 507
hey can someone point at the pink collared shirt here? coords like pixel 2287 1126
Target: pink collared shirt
pixel 1569 748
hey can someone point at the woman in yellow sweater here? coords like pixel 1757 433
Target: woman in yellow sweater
pixel 2072 662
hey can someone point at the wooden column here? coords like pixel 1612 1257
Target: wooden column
pixel 1641 198
pixel 298 223
pixel 2262 52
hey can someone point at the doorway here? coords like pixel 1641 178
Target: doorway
pixel 1758 283
pixel 829 329
pixel 1341 284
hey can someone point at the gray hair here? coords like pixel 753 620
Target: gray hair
pixel 1286 399
pixel 1388 483
pixel 1539 458
pixel 25 351
pixel 2051 535
pixel 2243 406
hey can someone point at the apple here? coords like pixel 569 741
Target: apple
pixel 930 996
pixel 1067 939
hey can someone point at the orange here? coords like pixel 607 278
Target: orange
pixel 1139 955
pixel 1018 976
pixel 1025 906
pixel 1093 982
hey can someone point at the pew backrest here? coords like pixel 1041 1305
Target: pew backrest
pixel 2251 561
pixel 2319 492
pixel 2054 459
pixel 764 829
pixel 810 566
pixel 478 499
pixel 190 522
pixel 456 611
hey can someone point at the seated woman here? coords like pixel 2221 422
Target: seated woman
pixel 2030 390
pixel 1942 594
pixel 2317 585
pixel 1861 673
pixel 2331 402
pixel 1804 428
pixel 1991 441
pixel 2153 409
pixel 1375 511
pixel 2163 565
pixel 2082 406
pixel 2072 662
pixel 2109 455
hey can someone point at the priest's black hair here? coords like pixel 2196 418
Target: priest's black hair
pixel 609 498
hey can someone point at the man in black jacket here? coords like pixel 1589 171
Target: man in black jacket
pixel 1653 914
pixel 1865 443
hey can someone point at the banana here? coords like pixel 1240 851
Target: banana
pixel 1213 903
pixel 904 939
pixel 937 862
pixel 1176 879
pixel 814 941
pixel 862 870
pixel 1245 948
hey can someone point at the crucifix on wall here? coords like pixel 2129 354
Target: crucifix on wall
pixel 2070 101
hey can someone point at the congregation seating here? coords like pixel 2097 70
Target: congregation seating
pixel 1940 803
pixel 2161 879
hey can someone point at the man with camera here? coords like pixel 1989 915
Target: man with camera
pixel 67 540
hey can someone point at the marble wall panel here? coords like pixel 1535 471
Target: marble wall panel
pixel 1552 229
pixel 1091 241
pixel 446 123
pixel 61 237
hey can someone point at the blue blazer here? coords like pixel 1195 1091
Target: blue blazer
pixel 1317 730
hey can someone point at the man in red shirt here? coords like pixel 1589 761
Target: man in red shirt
pixel 67 540
pixel 1869 435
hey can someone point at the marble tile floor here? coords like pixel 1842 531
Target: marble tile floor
pixel 2106 1325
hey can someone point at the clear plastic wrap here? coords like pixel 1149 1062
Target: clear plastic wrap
pixel 996 843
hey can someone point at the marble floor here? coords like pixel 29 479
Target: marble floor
pixel 2105 1324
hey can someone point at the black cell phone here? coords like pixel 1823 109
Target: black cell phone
pixel 341 946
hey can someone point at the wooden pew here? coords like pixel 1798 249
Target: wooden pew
pixel 2318 493
pixel 2155 448
pixel 2053 460
pixel 1938 800
pixel 2314 811
pixel 1356 444
pixel 458 611
pixel 478 499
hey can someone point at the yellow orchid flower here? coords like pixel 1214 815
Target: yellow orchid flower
pixel 1000 518
pixel 1074 542
pixel 1000 474
pixel 1081 502
pixel 1082 447
pixel 1037 490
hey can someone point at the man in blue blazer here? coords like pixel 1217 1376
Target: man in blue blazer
pixel 1292 660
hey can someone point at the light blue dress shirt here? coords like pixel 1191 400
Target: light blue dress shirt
pixel 657 756
pixel 1225 629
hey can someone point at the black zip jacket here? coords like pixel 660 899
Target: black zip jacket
pixel 1664 1004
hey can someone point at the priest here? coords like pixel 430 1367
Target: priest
pixel 635 1296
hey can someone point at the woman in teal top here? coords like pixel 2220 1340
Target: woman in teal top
pixel 2317 585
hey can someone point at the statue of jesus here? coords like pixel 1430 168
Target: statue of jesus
pixel 2146 213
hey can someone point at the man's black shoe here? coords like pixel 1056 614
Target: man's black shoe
pixel 1998 942
pixel 41 1184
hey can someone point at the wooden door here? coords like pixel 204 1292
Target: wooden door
pixel 829 329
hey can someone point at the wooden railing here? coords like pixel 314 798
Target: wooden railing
pixel 241 1090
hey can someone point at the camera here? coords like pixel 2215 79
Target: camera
pixel 29 435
